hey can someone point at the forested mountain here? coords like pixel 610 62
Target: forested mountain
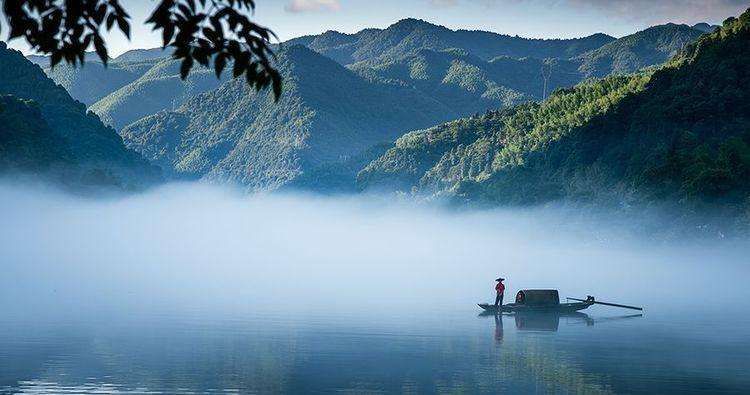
pixel 480 70
pixel 43 127
pixel 140 55
pixel 471 71
pixel 142 82
pixel 705 27
pixel 407 37
pixel 26 142
pixel 410 75
pixel 137 71
pixel 92 81
pixel 628 54
pixel 430 74
pixel 470 84
pixel 326 114
pixel 159 88
pixel 678 134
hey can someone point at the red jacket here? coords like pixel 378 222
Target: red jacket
pixel 500 288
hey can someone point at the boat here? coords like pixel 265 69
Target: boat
pixel 546 301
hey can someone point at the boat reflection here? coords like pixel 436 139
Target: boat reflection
pixel 498 328
pixel 548 322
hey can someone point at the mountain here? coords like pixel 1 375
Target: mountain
pixel 158 88
pixel 652 46
pixel 470 84
pixel 476 71
pixel 136 84
pixel 705 27
pixel 43 125
pixel 44 60
pixel 126 92
pixel 336 177
pixel 26 142
pixel 470 71
pixel 678 134
pixel 326 114
pixel 472 145
pixel 408 36
pixel 40 60
pixel 90 82
pixel 140 55
pixel 433 73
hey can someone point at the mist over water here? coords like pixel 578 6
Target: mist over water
pixel 202 245
pixel 190 256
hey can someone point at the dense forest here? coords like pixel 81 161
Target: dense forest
pixel 45 131
pixel 679 134
pixel 327 113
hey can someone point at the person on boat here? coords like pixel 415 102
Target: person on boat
pixel 500 288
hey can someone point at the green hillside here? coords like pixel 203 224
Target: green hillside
pixel 597 55
pixel 92 81
pixel 52 118
pixel 124 94
pixel 325 115
pixel 408 36
pixel 470 84
pixel 337 177
pixel 141 55
pixel 133 85
pixel 159 88
pixel 26 142
pixel 628 54
pixel 411 75
pixel 478 71
pixel 678 134
pixel 705 27
pixel 429 85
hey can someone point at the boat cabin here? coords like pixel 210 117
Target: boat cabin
pixel 538 297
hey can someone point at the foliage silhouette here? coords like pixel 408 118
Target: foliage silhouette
pixel 202 31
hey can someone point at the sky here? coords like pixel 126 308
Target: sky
pixel 526 18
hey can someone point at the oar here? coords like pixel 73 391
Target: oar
pixel 609 304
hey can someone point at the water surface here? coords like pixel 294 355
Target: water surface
pixel 193 290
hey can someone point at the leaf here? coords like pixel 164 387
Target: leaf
pixel 55 59
pixel 101 49
pixel 277 86
pixel 202 31
pixel 219 64
pixel 101 11
pixel 167 34
pixel 124 26
pixel 110 21
pixel 185 67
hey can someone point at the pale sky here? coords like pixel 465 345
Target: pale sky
pixel 526 18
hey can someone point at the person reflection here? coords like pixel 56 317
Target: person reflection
pixel 498 329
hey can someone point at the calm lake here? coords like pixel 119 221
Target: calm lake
pixel 192 290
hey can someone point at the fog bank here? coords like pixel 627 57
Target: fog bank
pixel 192 246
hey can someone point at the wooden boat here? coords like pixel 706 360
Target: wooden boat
pixel 545 301
pixel 518 308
